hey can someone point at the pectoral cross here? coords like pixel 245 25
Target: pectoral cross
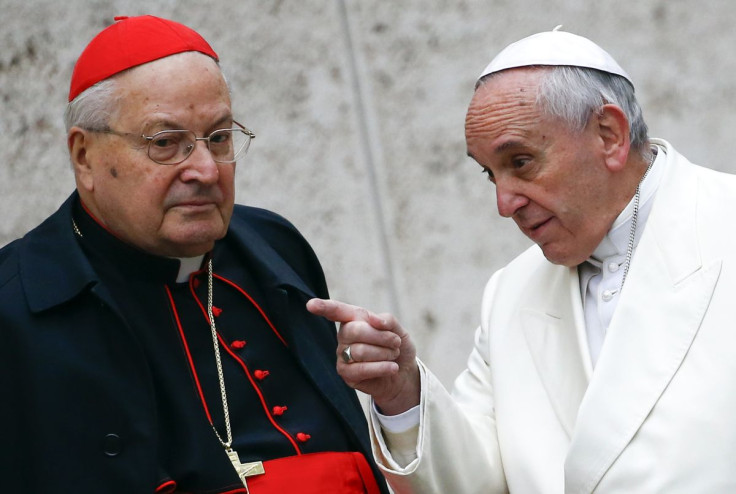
pixel 245 470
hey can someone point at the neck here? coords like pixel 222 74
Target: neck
pixel 635 169
pixel 639 166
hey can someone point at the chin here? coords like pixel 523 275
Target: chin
pixel 190 243
pixel 564 258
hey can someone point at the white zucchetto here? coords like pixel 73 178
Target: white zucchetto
pixel 555 48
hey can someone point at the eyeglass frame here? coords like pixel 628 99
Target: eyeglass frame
pixel 150 139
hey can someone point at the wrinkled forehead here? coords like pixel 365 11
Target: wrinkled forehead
pixel 186 65
pixel 172 74
pixel 513 88
pixel 188 86
pixel 505 103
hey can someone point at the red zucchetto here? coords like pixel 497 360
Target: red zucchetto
pixel 129 42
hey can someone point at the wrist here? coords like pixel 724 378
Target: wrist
pixel 407 397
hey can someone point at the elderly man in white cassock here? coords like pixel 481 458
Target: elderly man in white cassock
pixel 604 361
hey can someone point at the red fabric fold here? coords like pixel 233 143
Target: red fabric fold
pixel 316 473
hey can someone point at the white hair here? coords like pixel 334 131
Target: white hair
pixel 572 93
pixel 93 107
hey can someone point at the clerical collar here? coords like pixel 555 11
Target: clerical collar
pixel 103 244
pixel 616 240
pixel 187 266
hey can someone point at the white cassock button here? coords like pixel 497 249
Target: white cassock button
pixel 607 295
pixel 613 267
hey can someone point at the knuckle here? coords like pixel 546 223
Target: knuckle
pixel 388 318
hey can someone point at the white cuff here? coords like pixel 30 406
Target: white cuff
pixel 398 423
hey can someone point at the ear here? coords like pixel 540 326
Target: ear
pixel 613 128
pixel 78 142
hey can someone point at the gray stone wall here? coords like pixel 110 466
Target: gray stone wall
pixel 359 106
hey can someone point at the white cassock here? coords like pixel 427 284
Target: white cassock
pixel 658 413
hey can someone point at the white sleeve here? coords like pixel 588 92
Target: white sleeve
pixel 454 447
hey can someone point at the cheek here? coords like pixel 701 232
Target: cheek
pixel 226 181
pixel 226 175
pixel 145 194
pixel 572 209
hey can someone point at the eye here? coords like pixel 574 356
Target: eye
pixel 489 174
pixel 520 161
pixel 166 140
pixel 220 137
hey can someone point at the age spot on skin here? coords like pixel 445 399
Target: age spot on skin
pixel 114 172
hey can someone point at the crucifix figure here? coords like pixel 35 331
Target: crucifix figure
pixel 245 470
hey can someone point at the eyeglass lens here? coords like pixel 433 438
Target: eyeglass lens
pixel 174 146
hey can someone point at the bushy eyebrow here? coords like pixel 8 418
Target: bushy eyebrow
pixel 165 123
pixel 503 147
pixel 508 145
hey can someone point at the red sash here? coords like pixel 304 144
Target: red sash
pixel 316 473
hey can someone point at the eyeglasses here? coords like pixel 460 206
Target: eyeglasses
pixel 171 147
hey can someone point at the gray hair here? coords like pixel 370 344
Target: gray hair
pixel 572 93
pixel 93 107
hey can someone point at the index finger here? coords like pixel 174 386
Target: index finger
pixel 337 311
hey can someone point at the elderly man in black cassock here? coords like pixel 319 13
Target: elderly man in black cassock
pixel 154 335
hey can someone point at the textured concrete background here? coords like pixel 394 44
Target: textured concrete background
pixel 359 108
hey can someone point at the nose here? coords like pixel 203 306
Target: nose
pixel 508 198
pixel 200 166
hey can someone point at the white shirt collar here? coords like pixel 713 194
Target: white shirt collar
pixel 187 266
pixel 601 276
